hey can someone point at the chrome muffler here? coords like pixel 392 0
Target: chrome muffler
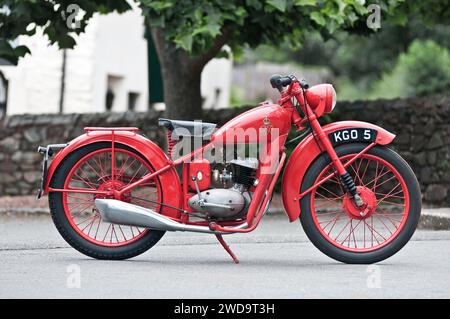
pixel 118 212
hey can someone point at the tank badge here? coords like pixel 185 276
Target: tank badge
pixel 267 125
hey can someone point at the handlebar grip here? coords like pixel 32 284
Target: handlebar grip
pixel 304 84
pixel 277 81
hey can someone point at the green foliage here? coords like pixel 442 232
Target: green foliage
pixel 426 66
pixel 364 59
pixel 23 17
pixel 430 11
pixel 358 62
pixel 423 69
pixel 195 25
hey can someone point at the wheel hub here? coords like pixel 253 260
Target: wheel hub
pixel 114 186
pixel 364 211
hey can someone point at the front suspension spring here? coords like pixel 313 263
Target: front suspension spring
pixel 349 184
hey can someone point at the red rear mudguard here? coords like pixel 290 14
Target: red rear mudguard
pixel 170 183
pixel 307 151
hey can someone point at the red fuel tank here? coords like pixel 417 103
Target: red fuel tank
pixel 246 127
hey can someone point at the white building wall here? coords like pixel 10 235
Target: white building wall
pixel 111 53
pixel 34 84
pixel 113 44
pixel 216 83
pixel 79 78
pixel 121 52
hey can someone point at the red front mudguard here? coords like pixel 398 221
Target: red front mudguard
pixel 307 151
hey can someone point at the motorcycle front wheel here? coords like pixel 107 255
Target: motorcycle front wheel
pixel 375 231
pixel 75 215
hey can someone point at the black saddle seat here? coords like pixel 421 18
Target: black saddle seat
pixel 188 128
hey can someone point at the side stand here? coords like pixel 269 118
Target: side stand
pixel 227 248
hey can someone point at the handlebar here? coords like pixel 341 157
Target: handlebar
pixel 304 84
pixel 279 82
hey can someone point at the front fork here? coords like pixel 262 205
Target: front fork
pixel 345 177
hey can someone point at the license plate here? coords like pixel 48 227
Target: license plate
pixel 352 135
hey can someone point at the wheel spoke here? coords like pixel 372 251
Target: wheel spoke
pixel 92 173
pixel 387 215
pixel 351 232
pixel 92 224
pixel 328 198
pixel 94 170
pixel 332 220
pixel 83 209
pixel 332 193
pixel 365 171
pixel 383 223
pixel 384 218
pixel 132 178
pixel 334 223
pixel 343 229
pixel 387 195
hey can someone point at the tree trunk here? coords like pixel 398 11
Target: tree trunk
pixel 181 79
pixel 182 93
pixel 181 75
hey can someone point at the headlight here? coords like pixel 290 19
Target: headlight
pixel 333 98
pixel 321 98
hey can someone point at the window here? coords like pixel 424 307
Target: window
pixel 114 99
pixel 109 99
pixel 132 100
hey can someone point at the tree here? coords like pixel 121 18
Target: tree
pixel 24 17
pixel 189 33
pixel 423 69
pixel 380 50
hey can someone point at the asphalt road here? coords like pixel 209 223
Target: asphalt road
pixel 277 261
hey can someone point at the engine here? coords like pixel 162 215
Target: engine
pixel 231 197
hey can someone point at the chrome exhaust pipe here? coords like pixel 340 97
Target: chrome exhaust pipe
pixel 118 212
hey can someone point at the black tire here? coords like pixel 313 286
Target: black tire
pixel 392 247
pixel 70 235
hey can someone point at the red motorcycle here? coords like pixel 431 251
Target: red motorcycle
pixel 113 193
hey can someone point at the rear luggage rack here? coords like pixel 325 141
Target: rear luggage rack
pixel 51 149
pixel 111 129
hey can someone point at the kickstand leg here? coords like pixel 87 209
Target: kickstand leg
pixel 227 248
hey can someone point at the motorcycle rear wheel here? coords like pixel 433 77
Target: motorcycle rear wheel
pixel 75 215
pixel 341 230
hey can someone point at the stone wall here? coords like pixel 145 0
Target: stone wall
pixel 422 125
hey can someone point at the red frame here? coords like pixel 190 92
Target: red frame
pixel 281 115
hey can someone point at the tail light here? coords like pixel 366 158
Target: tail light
pixel 321 98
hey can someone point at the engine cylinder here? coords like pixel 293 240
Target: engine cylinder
pixel 244 171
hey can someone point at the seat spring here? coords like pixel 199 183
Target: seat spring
pixel 170 143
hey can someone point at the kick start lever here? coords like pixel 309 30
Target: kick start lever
pixel 194 179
